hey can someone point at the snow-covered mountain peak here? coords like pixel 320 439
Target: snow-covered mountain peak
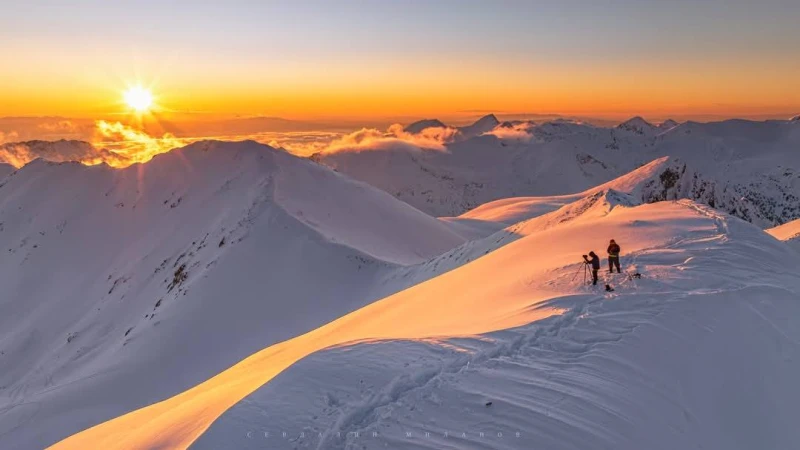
pixel 420 125
pixel 667 125
pixel 489 120
pixel 637 125
pixel 483 125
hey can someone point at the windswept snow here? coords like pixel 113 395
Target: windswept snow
pixel 702 350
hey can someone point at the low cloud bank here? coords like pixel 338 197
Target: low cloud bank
pixel 126 145
pixel 433 138
pixel 522 132
pixel 113 143
pixel 120 145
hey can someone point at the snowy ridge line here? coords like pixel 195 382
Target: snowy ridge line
pixel 549 337
pixel 521 303
pixel 356 417
pixel 187 262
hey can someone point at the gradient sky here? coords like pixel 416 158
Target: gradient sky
pixel 348 59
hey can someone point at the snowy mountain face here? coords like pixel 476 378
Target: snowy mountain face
pixel 513 351
pixel 483 125
pixel 224 294
pixel 122 287
pixel 748 169
pixel 667 125
pixel 639 126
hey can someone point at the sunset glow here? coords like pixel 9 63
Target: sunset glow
pixel 350 62
pixel 138 98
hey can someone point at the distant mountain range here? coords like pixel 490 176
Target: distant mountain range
pixel 748 169
pixel 745 168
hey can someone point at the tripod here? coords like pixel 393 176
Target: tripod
pixel 585 272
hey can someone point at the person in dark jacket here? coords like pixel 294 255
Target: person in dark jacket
pixel 613 256
pixel 594 261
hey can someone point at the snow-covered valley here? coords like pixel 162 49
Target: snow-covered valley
pixel 229 295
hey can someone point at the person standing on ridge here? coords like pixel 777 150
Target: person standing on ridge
pixel 613 256
pixel 594 260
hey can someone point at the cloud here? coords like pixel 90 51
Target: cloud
pixel 20 153
pixel 433 138
pixel 522 132
pixel 15 154
pixel 126 145
pixel 114 143
pixel 120 145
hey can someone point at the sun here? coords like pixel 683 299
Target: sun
pixel 138 98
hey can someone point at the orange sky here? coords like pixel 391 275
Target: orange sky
pixel 353 61
pixel 424 90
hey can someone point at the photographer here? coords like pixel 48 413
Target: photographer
pixel 594 260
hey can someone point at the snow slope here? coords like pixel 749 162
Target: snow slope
pixel 788 232
pixel 122 287
pixel 639 184
pixel 702 351
pixel 748 169
pixel 6 169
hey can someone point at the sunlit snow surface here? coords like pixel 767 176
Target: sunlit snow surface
pixel 325 309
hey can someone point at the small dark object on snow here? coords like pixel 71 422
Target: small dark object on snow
pixel 636 275
pixel 609 288
pixel 488 404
